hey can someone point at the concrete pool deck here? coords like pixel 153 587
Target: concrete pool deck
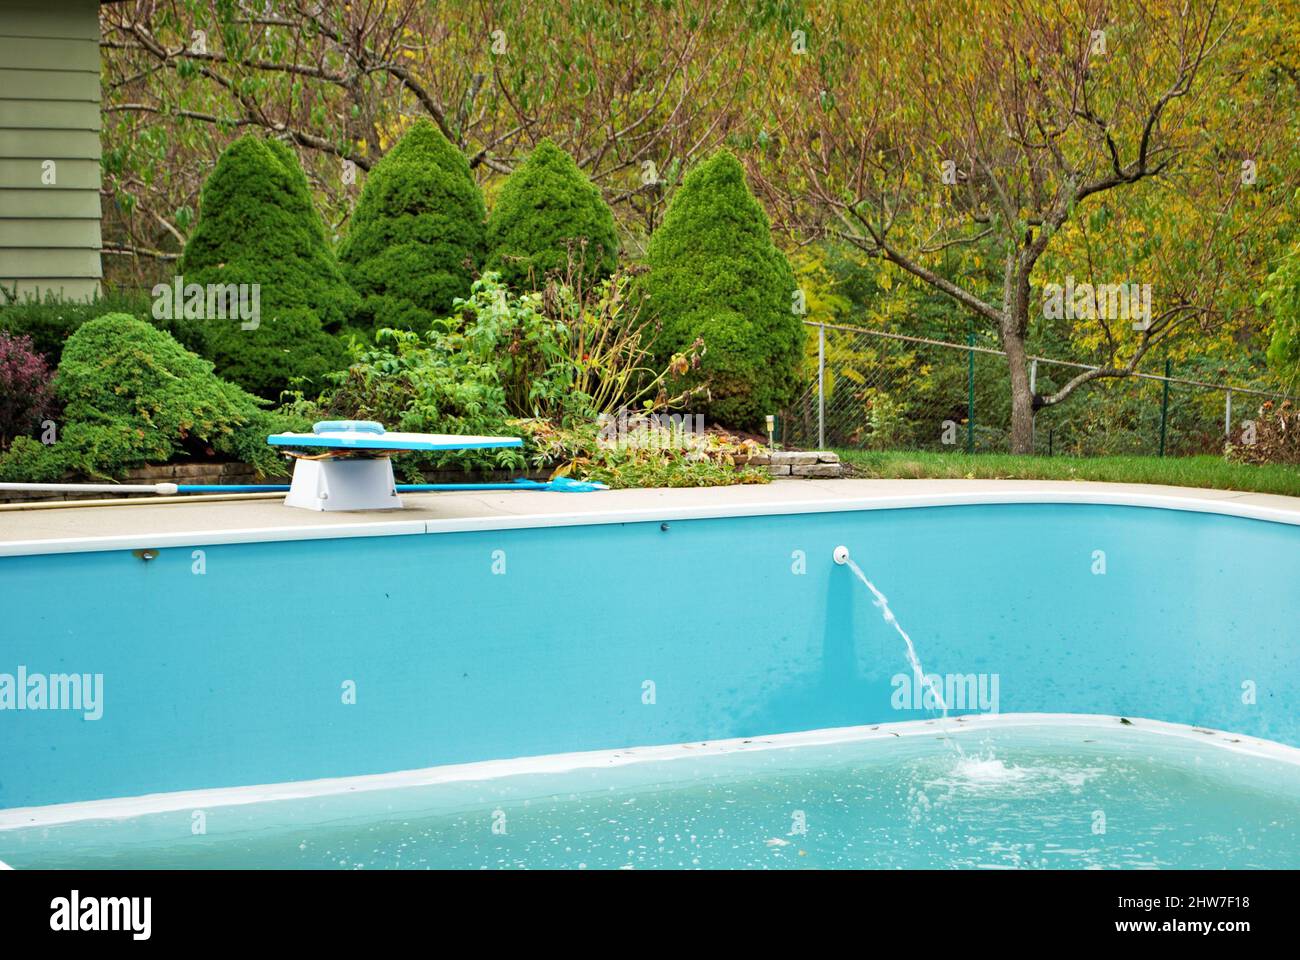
pixel 168 522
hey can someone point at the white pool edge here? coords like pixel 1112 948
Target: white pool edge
pixel 127 807
pixel 1225 506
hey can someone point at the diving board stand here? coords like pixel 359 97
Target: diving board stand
pixel 345 464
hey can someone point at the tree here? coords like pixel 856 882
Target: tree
pixel 416 239
pixel 257 227
pixel 547 217
pixel 339 81
pixel 999 139
pixel 1281 298
pixel 714 273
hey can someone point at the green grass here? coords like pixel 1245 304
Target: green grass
pixel 1206 471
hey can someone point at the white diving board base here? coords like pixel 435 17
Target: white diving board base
pixel 334 480
pixel 343 485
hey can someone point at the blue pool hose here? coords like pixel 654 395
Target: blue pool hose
pixel 560 484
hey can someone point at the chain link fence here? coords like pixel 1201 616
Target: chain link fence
pixel 874 390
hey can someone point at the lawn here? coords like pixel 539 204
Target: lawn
pixel 1204 471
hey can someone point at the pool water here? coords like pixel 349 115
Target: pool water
pixel 1043 796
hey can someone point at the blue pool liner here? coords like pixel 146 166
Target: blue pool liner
pixel 247 674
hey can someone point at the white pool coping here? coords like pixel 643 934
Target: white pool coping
pixel 17 818
pixel 137 526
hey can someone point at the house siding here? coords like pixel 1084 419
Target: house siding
pixel 49 111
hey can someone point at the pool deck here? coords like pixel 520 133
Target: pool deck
pixel 173 521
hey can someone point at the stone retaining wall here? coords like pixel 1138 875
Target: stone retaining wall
pixel 798 463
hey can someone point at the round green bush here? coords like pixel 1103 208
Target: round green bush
pixel 547 212
pixel 416 238
pixel 714 273
pixel 257 225
pixel 132 395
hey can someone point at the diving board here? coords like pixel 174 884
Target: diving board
pixel 345 465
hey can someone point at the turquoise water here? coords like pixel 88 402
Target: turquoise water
pixel 1056 796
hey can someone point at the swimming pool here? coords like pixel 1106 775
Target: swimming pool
pixel 1028 792
pixel 229 661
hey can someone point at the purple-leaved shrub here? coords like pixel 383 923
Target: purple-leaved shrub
pixel 25 389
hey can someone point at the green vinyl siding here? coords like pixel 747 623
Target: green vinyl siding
pixel 47 144
pixel 50 203
pixel 57 233
pixel 58 19
pixel 35 85
pixel 38 264
pixel 49 147
pixel 44 53
pixel 20 174
pixel 49 115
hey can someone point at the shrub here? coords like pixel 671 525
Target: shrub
pixel 25 397
pixel 611 348
pixel 416 239
pixel 257 225
pixel 1281 300
pixel 454 377
pixel 49 321
pixel 547 215
pixel 715 274
pixel 557 356
pixel 556 360
pixel 288 348
pixel 133 395
pixel 645 453
pixel 30 461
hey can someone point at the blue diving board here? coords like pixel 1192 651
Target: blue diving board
pixel 368 435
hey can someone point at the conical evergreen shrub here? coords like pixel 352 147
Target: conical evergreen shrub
pixel 715 273
pixel 547 212
pixel 416 239
pixel 257 225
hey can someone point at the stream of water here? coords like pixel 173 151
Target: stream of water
pixel 882 603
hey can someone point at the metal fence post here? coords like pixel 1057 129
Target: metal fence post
pixel 1033 414
pixel 970 390
pixel 1227 414
pixel 821 386
pixel 1164 405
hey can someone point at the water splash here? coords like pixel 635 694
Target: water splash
pixel 989 770
pixel 882 603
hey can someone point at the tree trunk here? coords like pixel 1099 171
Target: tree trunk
pixel 1015 323
pixel 1022 399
